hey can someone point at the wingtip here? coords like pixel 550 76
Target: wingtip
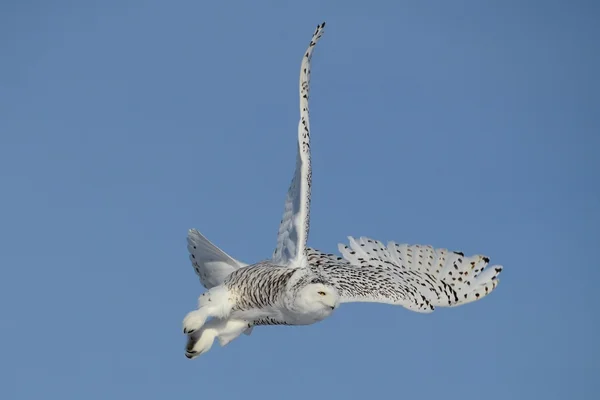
pixel 318 32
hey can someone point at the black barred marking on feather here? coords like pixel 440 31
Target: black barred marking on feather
pixel 258 286
pixel 268 321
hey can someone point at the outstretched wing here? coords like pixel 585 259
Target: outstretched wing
pixel 416 277
pixel 294 226
pixel 211 264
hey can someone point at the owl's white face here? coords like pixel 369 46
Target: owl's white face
pixel 317 299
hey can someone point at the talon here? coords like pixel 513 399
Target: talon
pixel 189 347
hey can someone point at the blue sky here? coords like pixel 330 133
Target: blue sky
pixel 467 125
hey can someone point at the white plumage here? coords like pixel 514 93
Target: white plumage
pixel 212 265
pixel 300 285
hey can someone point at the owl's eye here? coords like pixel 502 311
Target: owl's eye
pixel 321 293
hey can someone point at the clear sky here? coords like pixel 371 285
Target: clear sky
pixel 468 125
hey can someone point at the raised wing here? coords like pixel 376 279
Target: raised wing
pixel 416 277
pixel 211 264
pixel 294 226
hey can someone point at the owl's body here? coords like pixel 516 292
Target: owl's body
pixel 301 286
pixel 260 294
pixel 269 294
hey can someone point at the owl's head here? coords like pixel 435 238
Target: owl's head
pixel 317 297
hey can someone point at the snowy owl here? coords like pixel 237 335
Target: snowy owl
pixel 300 285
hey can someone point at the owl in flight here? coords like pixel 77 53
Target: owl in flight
pixel 300 285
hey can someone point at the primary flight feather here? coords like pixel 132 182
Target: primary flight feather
pixel 300 285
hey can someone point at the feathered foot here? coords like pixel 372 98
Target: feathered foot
pixel 194 320
pixel 213 303
pixel 202 340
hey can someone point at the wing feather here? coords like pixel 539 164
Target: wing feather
pixel 294 226
pixel 416 277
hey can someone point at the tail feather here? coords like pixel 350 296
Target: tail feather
pixel 211 263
